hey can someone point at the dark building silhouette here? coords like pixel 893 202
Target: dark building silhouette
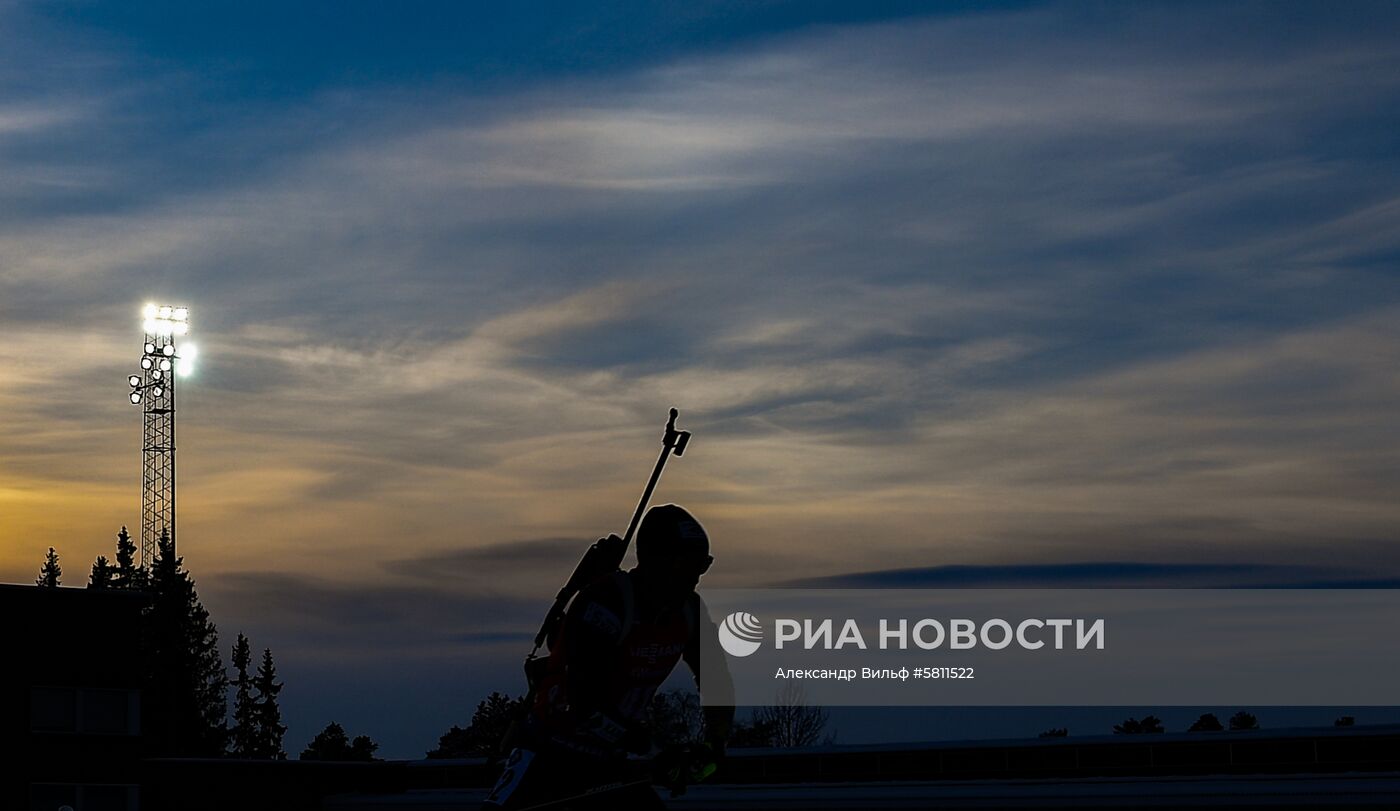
pixel 70 698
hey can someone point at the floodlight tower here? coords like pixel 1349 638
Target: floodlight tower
pixel 161 363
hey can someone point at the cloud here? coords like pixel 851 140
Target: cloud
pixel 317 617
pixel 16 119
pixel 525 567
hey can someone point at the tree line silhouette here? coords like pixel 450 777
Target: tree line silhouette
pixel 1206 723
pixel 185 697
pixel 185 708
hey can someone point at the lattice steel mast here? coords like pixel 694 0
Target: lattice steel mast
pixel 161 363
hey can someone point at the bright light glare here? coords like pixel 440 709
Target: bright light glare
pixel 165 320
pixel 136 397
pixel 158 391
pixel 134 380
pixel 184 365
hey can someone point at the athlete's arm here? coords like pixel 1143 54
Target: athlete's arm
pixel 592 633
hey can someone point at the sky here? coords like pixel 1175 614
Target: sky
pixel 1068 293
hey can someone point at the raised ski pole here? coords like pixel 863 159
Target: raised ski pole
pixel 606 555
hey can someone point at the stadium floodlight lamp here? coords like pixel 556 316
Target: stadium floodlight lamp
pixel 165 320
pixel 160 360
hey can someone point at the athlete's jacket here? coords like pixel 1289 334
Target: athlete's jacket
pixel 612 654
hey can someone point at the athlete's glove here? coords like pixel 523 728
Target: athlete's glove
pixel 677 767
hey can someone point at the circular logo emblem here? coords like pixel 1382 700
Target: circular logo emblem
pixel 740 634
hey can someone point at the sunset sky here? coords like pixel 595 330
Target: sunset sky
pixel 1035 288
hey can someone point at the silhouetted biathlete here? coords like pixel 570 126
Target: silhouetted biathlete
pixel 621 638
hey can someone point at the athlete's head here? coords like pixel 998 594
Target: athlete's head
pixel 671 543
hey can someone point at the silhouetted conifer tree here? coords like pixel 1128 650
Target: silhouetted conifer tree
pixel 362 748
pixel 1243 720
pixel 102 572
pixel 268 727
pixel 1206 723
pixel 483 735
pixel 128 575
pixel 243 734
pixel 331 743
pixel 50 572
pixel 187 694
pixel 455 742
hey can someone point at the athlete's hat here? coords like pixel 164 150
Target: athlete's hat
pixel 668 532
